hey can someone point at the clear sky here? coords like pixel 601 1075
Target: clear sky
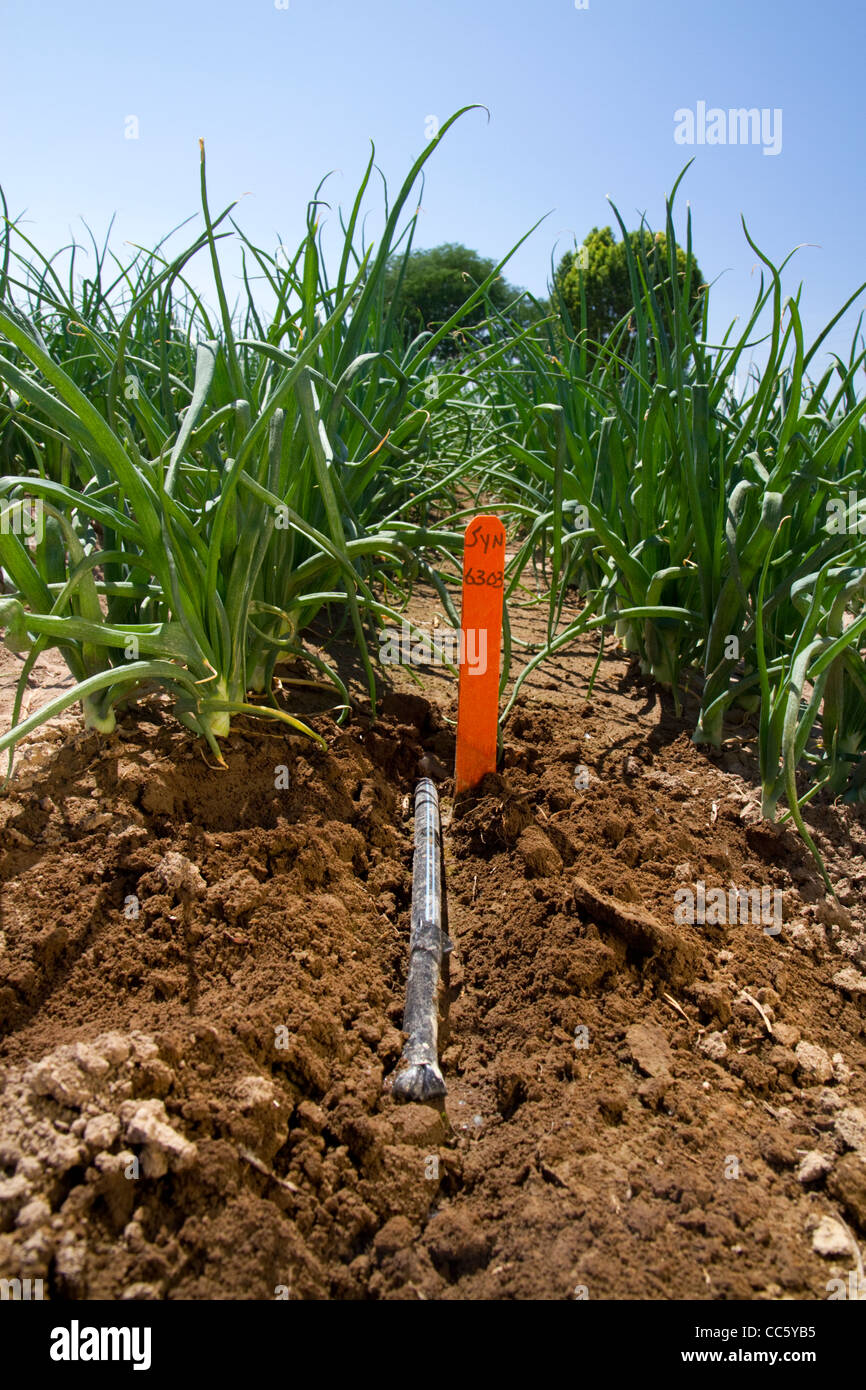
pixel 581 104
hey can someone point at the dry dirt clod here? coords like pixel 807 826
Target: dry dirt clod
pixel 814 1064
pixel 813 1167
pixel 649 1048
pixel 851 982
pixel 850 1125
pixel 830 1239
pixel 181 876
pixel 713 1045
pixel 847 1183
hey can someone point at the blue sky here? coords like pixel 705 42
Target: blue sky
pixel 581 103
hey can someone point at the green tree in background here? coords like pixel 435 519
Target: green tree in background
pixel 435 283
pixel 602 264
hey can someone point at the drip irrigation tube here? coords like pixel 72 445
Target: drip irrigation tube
pixel 421 1078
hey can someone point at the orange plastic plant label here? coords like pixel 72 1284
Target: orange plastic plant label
pixel 480 643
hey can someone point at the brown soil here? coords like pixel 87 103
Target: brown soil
pixel 201 988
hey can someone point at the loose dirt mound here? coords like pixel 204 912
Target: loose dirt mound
pixel 201 983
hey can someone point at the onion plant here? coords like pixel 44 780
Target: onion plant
pixel 217 482
pixel 668 498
